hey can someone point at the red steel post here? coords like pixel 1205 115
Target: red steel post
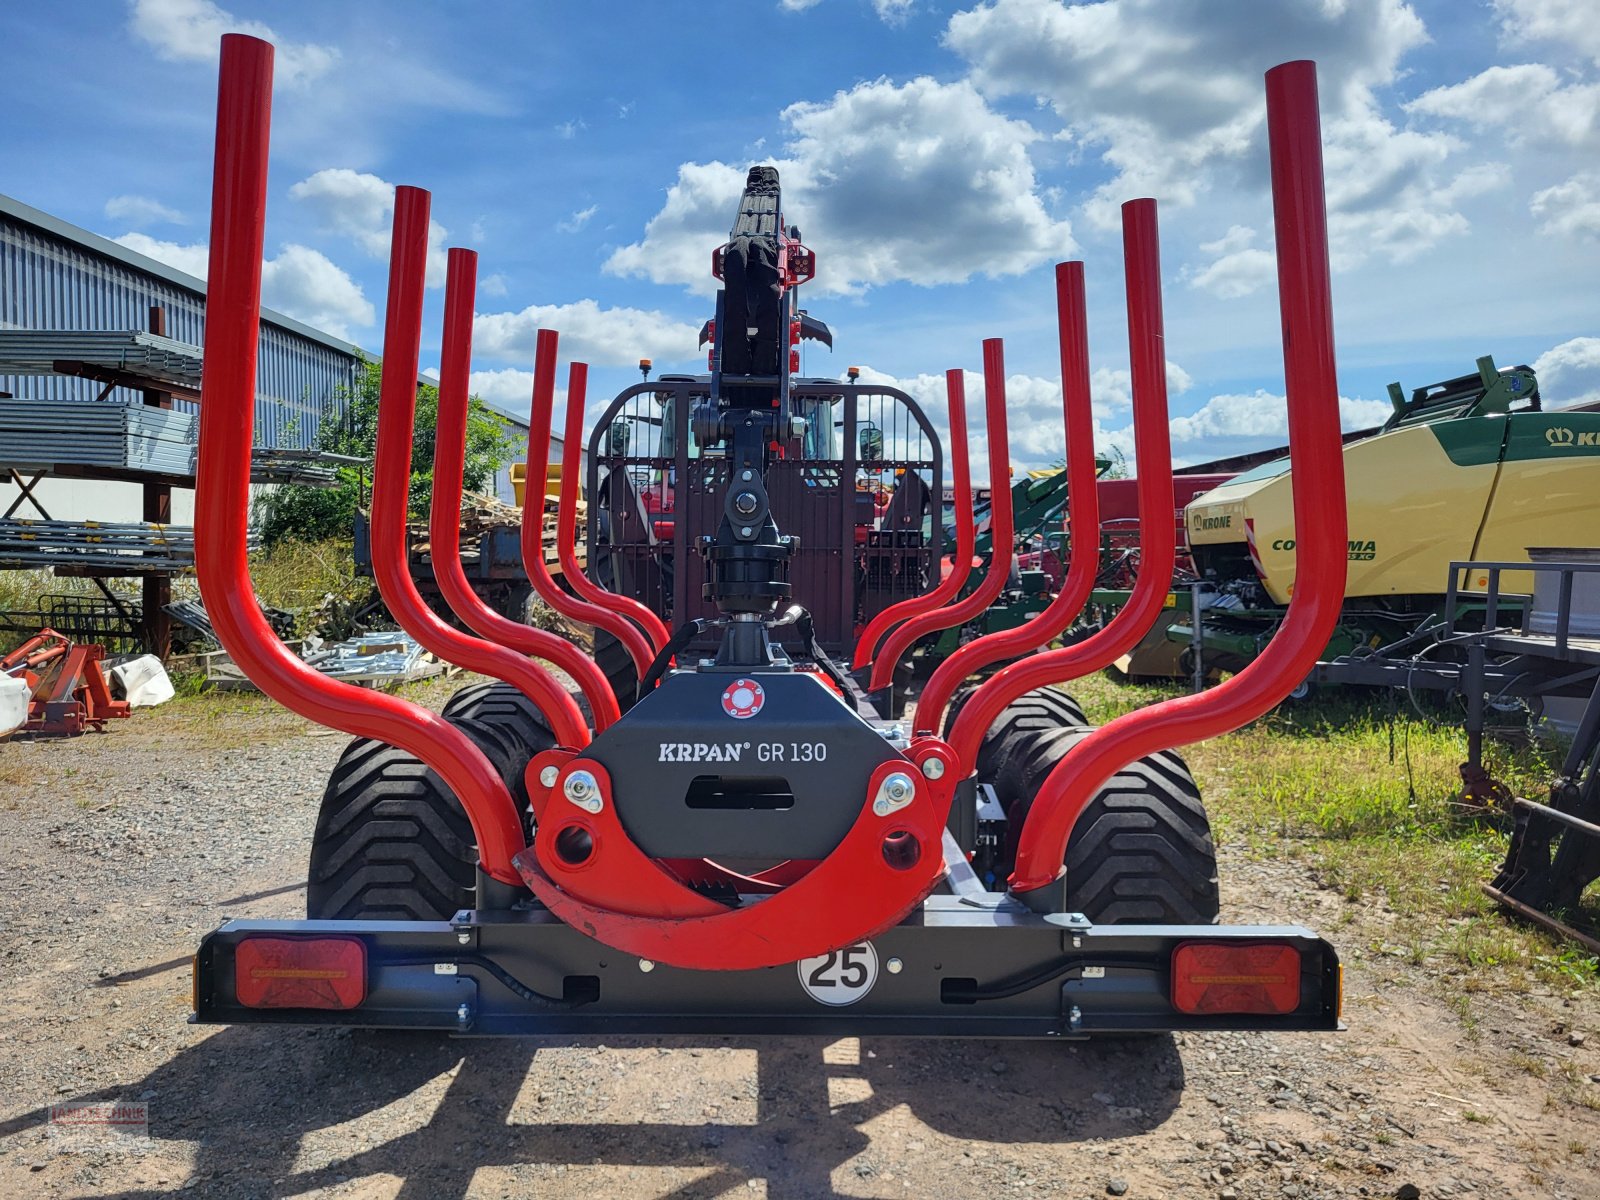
pixel 567 519
pixel 391 486
pixel 1083 517
pixel 1305 301
pixel 1157 537
pixel 222 486
pixel 1001 532
pixel 639 647
pixel 950 586
pixel 444 518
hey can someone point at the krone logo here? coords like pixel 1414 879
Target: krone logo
pixel 1559 435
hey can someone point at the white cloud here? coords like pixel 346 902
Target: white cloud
pixel 589 333
pixel 797 5
pixel 893 12
pixel 578 219
pixel 360 206
pixel 191 31
pixel 1261 417
pixel 193 259
pixel 1168 94
pixel 920 181
pixel 301 282
pixel 1237 267
pixel 1530 102
pixel 142 210
pixel 1570 209
pixel 1569 373
pixel 1569 23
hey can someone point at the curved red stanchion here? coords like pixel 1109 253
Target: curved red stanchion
pixel 1083 517
pixel 1158 538
pixel 567 520
pixel 222 485
pixel 1001 531
pixel 1317 470
pixel 552 593
pixel 444 516
pixel 391 485
pixel 950 586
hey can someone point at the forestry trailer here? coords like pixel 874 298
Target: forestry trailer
pixel 733 837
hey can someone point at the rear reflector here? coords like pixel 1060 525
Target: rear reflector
pixel 1219 977
pixel 292 972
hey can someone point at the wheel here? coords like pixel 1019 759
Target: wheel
pixel 392 842
pixel 1141 851
pixel 505 707
pixel 1041 709
pixel 616 664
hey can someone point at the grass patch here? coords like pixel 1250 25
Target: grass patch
pixel 1372 797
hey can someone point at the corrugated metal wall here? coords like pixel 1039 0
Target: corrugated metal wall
pixel 48 282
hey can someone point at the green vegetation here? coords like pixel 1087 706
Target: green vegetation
pixel 351 427
pixel 1371 797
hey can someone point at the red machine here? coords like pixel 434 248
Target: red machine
pixel 70 694
pixel 754 846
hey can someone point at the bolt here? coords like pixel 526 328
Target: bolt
pixel 1075 1017
pixel 583 791
pixel 547 776
pixel 464 1015
pixel 746 531
pixel 898 788
pixel 748 476
pixel 745 504
pixel 895 966
pixel 463 937
pixel 933 768
pixel 646 965
pixel 881 807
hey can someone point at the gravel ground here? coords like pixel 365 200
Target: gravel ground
pixel 118 851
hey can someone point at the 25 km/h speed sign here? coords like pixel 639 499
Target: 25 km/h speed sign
pixel 840 977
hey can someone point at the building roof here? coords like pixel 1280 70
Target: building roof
pixel 56 227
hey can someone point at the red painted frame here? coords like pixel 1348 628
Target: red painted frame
pixel 639 647
pixel 1083 517
pixel 1294 140
pixel 222 486
pixel 1002 531
pixel 1158 540
pixel 391 488
pixel 444 516
pixel 950 586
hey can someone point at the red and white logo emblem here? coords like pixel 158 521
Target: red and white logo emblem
pixel 743 698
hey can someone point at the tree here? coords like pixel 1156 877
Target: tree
pixel 293 513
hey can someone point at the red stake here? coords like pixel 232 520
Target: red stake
pixel 950 586
pixel 1158 538
pixel 222 486
pixel 1316 460
pixel 640 649
pixel 1001 532
pixel 444 518
pixel 1083 517
pixel 567 519
pixel 391 486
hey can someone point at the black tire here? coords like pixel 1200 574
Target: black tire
pixel 616 664
pixel 505 707
pixel 1141 852
pixel 392 842
pixel 1034 712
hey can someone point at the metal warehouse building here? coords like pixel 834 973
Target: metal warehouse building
pixel 56 276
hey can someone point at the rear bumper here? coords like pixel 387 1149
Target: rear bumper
pixel 524 972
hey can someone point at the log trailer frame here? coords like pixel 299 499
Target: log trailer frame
pixel 753 847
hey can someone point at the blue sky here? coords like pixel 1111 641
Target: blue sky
pixel 938 157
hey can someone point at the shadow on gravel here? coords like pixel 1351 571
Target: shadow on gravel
pixel 247 1097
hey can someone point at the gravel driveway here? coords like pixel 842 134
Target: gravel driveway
pixel 120 850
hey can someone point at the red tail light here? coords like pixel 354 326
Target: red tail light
pixel 296 972
pixel 1209 978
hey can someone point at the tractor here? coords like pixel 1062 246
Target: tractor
pixel 729 831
